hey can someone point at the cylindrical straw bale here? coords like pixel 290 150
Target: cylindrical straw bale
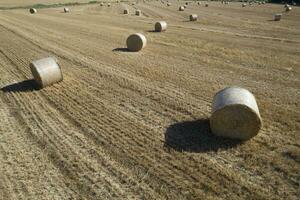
pixel 206 5
pixel 136 42
pixel 235 114
pixel 199 3
pixel 108 4
pixel 138 12
pixel 101 4
pixel 169 4
pixel 32 10
pixel 161 26
pixel 181 8
pixel 193 17
pixel 289 8
pixel 66 10
pixel 186 3
pixel 46 71
pixel 277 17
pixel 243 5
pixel 126 11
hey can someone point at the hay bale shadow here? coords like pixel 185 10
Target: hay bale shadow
pixel 195 136
pixel 23 86
pixel 122 50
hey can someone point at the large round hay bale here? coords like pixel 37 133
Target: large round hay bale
pixel 289 8
pixel 235 114
pixel 101 4
pixel 243 5
pixel 66 10
pixel 126 11
pixel 160 26
pixel 138 12
pixel 32 10
pixel 136 42
pixel 46 71
pixel 181 8
pixel 193 17
pixel 277 17
pixel 169 4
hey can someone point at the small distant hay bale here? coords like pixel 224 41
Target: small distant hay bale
pixel 136 42
pixel 108 4
pixel 32 10
pixel 138 12
pixel 235 114
pixel 46 71
pixel 243 5
pixel 193 17
pixel 160 26
pixel 199 3
pixel 66 10
pixel 181 8
pixel 101 4
pixel 169 4
pixel 277 17
pixel 133 3
pixel 289 8
pixel 126 11
pixel 186 3
pixel 206 5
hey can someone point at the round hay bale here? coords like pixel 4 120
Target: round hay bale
pixel 126 11
pixel 169 4
pixel 160 26
pixel 101 4
pixel 289 8
pixel 32 10
pixel 243 5
pixel 66 10
pixel 186 3
pixel 235 114
pixel 181 8
pixel 108 4
pixel 136 42
pixel 206 5
pixel 277 17
pixel 199 3
pixel 46 71
pixel 138 12
pixel 193 17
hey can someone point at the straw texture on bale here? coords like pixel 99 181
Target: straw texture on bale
pixel 235 114
pixel 181 8
pixel 277 17
pixel 138 12
pixel 66 10
pixel 193 17
pixel 136 42
pixel 32 10
pixel 46 71
pixel 126 11
pixel 161 26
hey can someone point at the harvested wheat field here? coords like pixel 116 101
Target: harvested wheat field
pixel 134 125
